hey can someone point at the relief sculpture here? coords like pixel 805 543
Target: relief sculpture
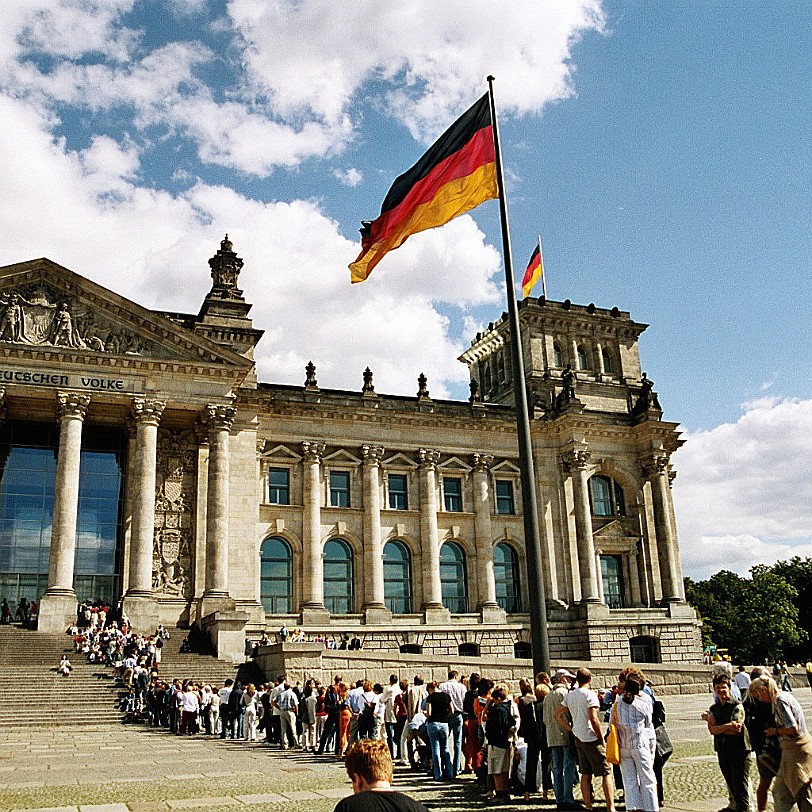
pixel 39 315
pixel 174 512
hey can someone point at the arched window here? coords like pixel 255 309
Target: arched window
pixel 397 578
pixel 606 497
pixel 468 650
pixel 276 576
pixel 452 578
pixel 506 575
pixel 338 581
pixel 583 358
pixel 608 366
pixel 558 357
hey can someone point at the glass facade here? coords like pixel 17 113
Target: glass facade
pixel 28 452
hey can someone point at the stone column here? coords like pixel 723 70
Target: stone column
pixel 433 607
pixel 634 578
pixel 655 469
pixel 58 604
pixel 375 610
pixel 219 421
pixel 312 608
pixel 483 532
pixel 139 603
pixel 146 416
pixel 575 463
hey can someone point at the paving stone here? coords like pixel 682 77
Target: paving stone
pixel 103 808
pixel 193 803
pixel 335 793
pixel 302 795
pixel 264 798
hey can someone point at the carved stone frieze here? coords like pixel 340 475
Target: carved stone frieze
pixel 172 556
pixel 39 315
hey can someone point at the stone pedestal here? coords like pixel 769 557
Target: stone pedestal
pixel 227 633
pixel 210 605
pixel 315 615
pixel 436 615
pixel 56 612
pixel 142 612
pixel 376 615
pixel 492 613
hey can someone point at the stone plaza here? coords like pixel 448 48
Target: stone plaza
pixel 139 769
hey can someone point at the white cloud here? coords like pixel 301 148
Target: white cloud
pixel 348 177
pixel 429 58
pixel 741 495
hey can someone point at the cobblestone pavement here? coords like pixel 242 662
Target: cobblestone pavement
pixel 137 769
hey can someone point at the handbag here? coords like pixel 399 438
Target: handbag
pixel 613 740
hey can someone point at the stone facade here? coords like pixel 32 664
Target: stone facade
pixel 249 505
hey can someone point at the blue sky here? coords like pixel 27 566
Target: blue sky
pixel 661 149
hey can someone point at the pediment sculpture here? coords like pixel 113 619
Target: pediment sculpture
pixel 39 315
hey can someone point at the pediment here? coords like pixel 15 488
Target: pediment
pixel 342 457
pixel 280 453
pixel 399 460
pixel 44 306
pixel 613 529
pixel 455 464
pixel 506 467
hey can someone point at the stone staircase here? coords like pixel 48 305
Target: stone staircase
pixel 33 694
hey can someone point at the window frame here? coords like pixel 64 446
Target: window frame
pixel 288 579
pixel 390 493
pixel 501 499
pixel 335 492
pixel 511 601
pixel 615 499
pixel 279 469
pixel 449 498
pixel 613 598
pixel 342 603
pixel 456 603
pixel 398 604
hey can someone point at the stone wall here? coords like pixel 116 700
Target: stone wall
pixel 300 661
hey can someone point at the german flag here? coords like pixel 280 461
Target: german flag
pixel 534 272
pixel 456 174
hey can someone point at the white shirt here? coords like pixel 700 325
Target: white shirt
pixel 456 690
pixel 578 703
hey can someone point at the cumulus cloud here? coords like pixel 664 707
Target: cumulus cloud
pixel 741 496
pixel 348 177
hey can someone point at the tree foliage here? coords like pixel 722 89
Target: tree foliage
pixel 757 618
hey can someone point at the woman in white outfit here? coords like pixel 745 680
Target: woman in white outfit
pixel 250 699
pixel 638 742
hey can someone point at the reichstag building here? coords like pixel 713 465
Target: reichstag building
pixel 145 465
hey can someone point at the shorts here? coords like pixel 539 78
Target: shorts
pixel 592 758
pixel 498 760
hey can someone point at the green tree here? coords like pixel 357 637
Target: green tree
pixel 798 572
pixel 755 618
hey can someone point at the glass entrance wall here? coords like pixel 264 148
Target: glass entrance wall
pixel 28 457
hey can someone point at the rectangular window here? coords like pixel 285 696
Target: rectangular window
pixel 340 488
pixel 279 486
pixel 504 497
pixel 398 492
pixel 452 494
pixel 612 578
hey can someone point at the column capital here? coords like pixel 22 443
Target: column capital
pixel 219 416
pixel 429 458
pixel 654 464
pixel 146 411
pixel 313 451
pixel 372 454
pixel 576 459
pixel 482 462
pixel 72 404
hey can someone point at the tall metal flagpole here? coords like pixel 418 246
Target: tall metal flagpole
pixel 532 536
pixel 543 272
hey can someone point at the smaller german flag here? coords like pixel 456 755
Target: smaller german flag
pixel 456 174
pixel 534 272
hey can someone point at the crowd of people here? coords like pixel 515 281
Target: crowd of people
pixel 26 613
pixel 759 727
